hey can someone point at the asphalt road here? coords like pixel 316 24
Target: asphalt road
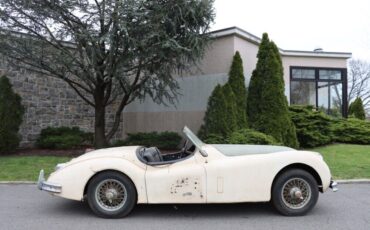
pixel 24 207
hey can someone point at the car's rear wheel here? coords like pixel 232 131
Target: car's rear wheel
pixel 295 192
pixel 111 195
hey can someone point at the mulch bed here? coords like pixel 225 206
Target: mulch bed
pixel 47 152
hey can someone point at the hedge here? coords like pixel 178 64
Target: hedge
pixel 162 140
pixel 313 127
pixel 249 136
pixel 242 136
pixel 63 138
pixel 351 130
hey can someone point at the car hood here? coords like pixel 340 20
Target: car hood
pixel 127 152
pixel 239 150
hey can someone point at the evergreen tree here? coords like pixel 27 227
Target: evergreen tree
pixel 267 106
pixel 230 110
pixel 356 109
pixel 237 83
pixel 11 114
pixel 109 52
pixel 215 121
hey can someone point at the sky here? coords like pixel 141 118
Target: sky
pixel 333 25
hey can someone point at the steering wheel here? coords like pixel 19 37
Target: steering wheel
pixel 184 148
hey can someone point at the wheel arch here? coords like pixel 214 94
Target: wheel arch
pixel 304 167
pixel 109 170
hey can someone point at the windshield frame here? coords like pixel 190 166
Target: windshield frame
pixel 195 140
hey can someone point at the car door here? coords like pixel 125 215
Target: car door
pixel 180 182
pixel 237 179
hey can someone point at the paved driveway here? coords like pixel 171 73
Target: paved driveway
pixel 24 207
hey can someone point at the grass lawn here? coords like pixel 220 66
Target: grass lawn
pixel 347 161
pixel 27 168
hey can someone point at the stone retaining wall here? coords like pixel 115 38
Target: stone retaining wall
pixel 50 102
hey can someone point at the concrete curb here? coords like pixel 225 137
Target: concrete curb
pixel 354 181
pixel 351 181
pixel 18 182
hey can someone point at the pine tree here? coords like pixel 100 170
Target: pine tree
pixel 267 106
pixel 356 109
pixel 11 114
pixel 237 83
pixel 231 109
pixel 215 121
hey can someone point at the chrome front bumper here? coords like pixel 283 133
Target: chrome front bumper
pixel 47 186
pixel 333 185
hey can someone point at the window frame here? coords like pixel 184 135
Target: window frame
pixel 317 79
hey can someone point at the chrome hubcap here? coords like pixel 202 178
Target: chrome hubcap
pixel 110 195
pixel 296 193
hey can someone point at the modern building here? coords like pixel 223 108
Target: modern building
pixel 315 78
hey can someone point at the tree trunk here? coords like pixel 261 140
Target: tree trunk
pixel 100 138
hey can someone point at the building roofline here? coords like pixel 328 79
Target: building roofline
pixel 293 53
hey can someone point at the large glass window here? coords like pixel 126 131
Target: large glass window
pixel 303 93
pixel 320 87
pixel 303 73
pixel 323 96
pixel 336 98
pixel 330 75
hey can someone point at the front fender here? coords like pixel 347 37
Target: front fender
pixel 74 177
pixel 312 160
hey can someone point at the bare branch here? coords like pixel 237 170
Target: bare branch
pixel 359 82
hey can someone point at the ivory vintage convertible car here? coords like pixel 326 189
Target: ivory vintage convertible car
pixel 113 180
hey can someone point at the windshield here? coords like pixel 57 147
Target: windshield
pixel 193 138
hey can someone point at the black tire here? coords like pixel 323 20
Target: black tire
pixel 282 205
pixel 124 208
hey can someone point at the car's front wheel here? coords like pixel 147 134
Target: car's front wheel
pixel 111 195
pixel 295 192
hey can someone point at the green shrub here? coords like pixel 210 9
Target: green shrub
pixel 356 109
pixel 11 116
pixel 162 140
pixel 313 127
pixel 250 136
pixel 267 106
pixel 215 139
pixel 63 138
pixel 351 130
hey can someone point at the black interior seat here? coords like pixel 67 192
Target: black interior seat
pixel 152 154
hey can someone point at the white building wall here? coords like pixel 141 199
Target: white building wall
pixel 248 52
pixel 197 85
pixel 195 89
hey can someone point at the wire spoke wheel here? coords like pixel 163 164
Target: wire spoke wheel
pixel 110 195
pixel 296 193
